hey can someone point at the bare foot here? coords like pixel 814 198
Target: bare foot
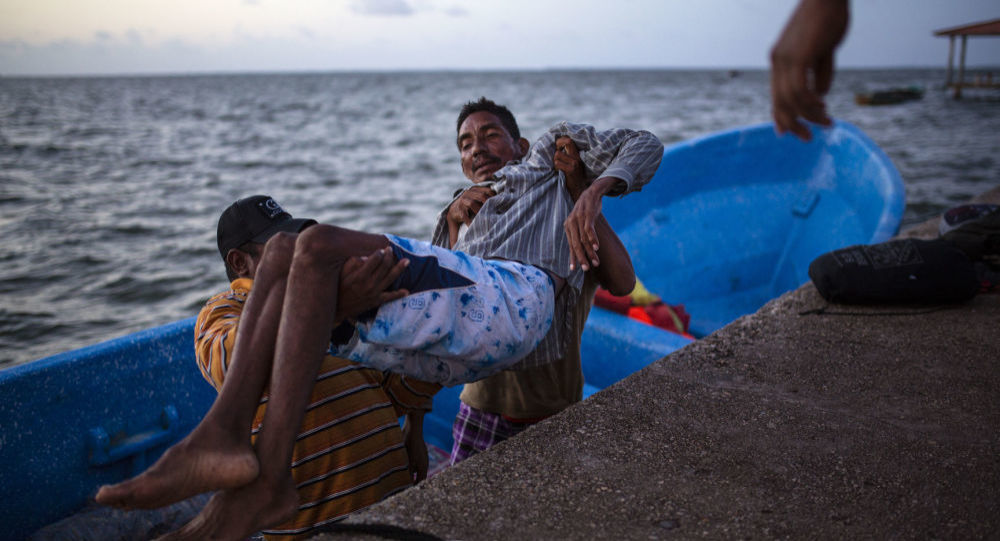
pixel 239 513
pixel 185 470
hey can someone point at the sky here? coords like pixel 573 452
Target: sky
pixel 110 37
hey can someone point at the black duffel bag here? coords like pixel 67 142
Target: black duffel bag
pixel 898 271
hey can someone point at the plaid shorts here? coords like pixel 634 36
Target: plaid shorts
pixel 477 430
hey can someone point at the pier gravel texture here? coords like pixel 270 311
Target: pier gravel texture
pixel 860 422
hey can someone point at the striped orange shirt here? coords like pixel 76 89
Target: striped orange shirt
pixel 349 452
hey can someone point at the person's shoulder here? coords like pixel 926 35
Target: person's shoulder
pixel 227 300
pixel 237 292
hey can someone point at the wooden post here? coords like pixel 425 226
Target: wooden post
pixel 951 59
pixel 961 70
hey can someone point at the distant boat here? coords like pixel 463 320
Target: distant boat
pixel 889 97
pixel 730 221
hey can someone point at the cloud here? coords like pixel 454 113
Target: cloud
pixel 305 32
pixel 456 11
pixel 382 8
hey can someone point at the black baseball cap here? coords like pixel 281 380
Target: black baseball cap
pixel 255 218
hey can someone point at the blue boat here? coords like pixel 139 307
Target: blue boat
pixel 731 221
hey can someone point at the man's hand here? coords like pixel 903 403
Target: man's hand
pixel 567 159
pixel 363 281
pixel 802 64
pixel 465 208
pixel 579 226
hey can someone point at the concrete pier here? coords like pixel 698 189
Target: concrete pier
pixel 860 422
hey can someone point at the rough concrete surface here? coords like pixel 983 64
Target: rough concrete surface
pixel 866 422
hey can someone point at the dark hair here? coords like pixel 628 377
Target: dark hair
pixel 501 112
pixel 252 248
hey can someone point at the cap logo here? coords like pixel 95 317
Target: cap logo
pixel 270 208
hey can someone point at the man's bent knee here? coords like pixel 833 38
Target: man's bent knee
pixel 330 243
pixel 277 256
pixel 322 245
pixel 280 247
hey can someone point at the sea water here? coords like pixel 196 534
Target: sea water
pixel 110 188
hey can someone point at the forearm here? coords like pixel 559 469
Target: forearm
pixel 635 163
pixel 615 273
pixel 413 425
pixel 416 449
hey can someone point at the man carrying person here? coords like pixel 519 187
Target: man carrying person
pixel 502 405
pixel 465 316
pixel 349 452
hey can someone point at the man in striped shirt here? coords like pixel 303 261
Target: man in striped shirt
pixel 349 452
pixel 502 405
pixel 512 281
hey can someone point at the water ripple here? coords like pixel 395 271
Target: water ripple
pixel 110 188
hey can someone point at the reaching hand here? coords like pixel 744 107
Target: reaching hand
pixel 363 283
pixel 802 64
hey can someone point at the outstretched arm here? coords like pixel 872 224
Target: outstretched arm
pixel 802 64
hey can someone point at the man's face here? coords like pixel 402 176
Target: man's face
pixel 485 146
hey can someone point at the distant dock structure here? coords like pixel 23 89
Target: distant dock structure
pixel 984 28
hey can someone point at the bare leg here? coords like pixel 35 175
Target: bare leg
pixel 303 338
pixel 217 453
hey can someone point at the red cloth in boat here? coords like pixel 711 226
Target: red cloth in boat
pixel 673 318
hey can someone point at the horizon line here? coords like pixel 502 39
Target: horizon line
pixel 317 71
